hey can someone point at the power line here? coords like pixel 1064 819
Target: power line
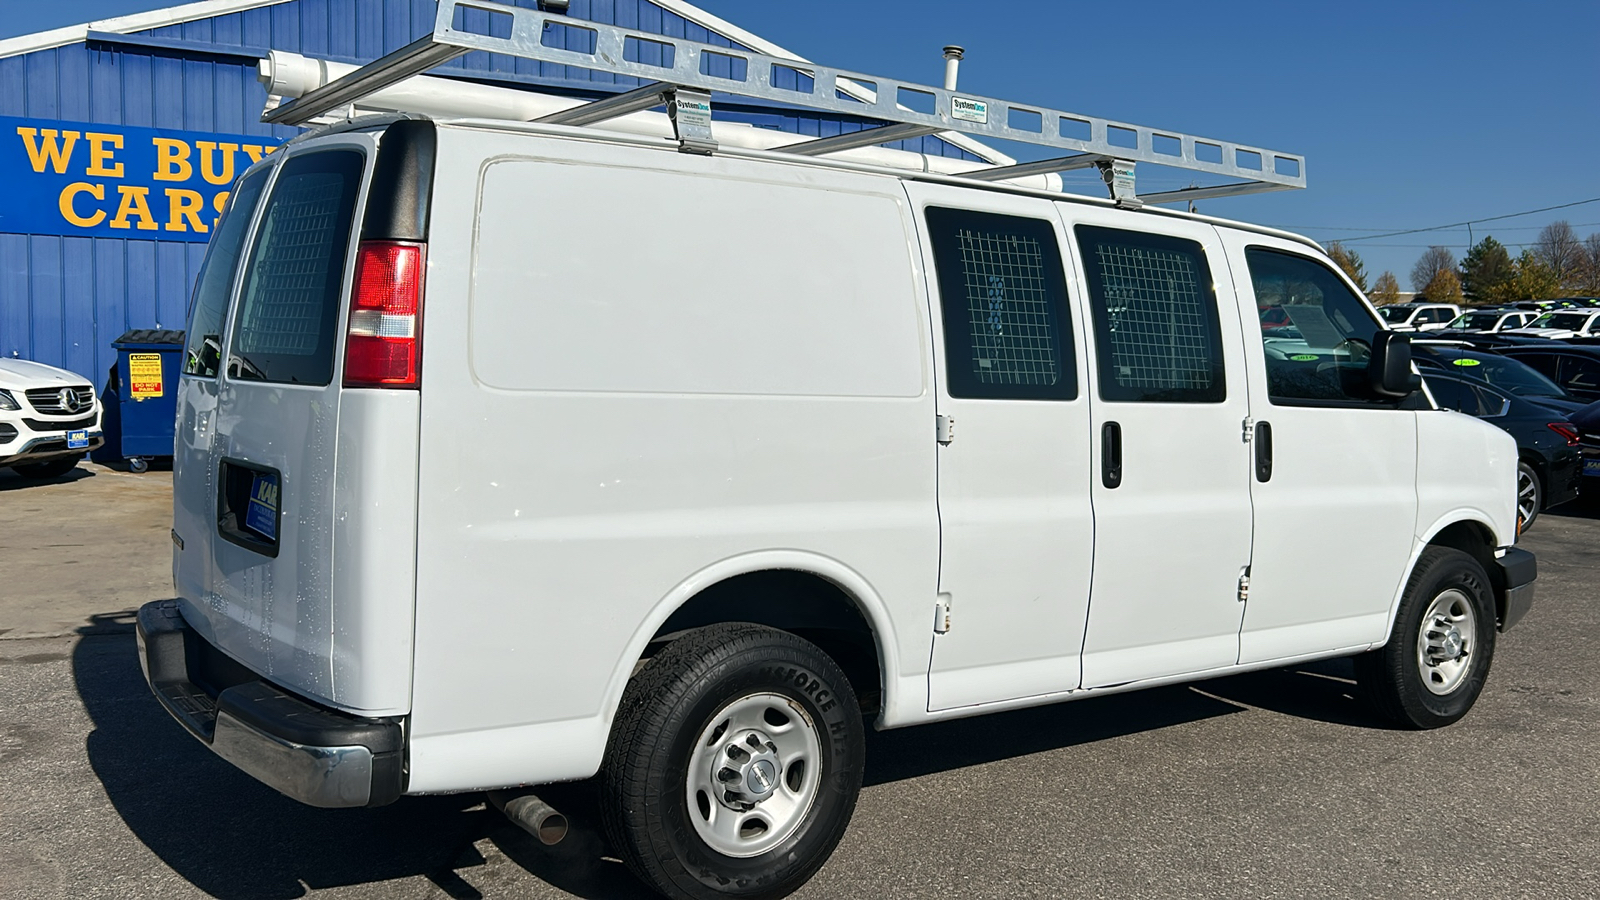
pixel 1350 228
pixel 1370 237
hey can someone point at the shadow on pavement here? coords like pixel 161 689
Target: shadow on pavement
pixel 11 481
pixel 237 839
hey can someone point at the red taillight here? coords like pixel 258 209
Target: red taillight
pixel 1566 430
pixel 384 344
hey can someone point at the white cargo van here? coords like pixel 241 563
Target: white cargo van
pixel 463 502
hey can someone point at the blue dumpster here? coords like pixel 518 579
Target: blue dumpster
pixel 145 389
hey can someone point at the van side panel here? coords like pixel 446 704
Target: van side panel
pixel 639 366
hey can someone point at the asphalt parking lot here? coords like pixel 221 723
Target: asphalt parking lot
pixel 1275 784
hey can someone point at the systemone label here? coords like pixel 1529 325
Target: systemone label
pixel 969 110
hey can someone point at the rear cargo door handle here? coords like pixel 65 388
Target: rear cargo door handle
pixel 1111 454
pixel 1263 442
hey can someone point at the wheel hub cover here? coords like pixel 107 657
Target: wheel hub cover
pixel 750 768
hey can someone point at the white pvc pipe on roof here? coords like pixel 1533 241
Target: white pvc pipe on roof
pixel 290 75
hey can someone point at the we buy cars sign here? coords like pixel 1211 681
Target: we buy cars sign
pixel 80 179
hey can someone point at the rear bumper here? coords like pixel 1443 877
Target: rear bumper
pixel 310 753
pixel 1517 572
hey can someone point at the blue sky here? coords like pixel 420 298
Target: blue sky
pixel 1410 114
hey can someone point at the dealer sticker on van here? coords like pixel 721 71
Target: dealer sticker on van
pixel 969 110
pixel 262 514
pixel 77 440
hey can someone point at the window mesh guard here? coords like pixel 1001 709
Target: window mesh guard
pixel 1159 328
pixel 284 302
pixel 1013 333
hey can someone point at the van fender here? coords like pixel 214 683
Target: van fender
pixel 1425 539
pixel 847 579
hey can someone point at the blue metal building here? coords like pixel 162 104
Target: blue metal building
pixel 119 139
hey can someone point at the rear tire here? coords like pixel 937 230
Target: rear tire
pixel 54 468
pixel 1530 495
pixel 734 764
pixel 1438 656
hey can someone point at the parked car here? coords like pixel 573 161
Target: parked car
pixel 1568 323
pixel 1587 421
pixel 1487 321
pixel 1548 466
pixel 1419 316
pixel 1575 367
pixel 1498 371
pixel 49 418
pixel 467 500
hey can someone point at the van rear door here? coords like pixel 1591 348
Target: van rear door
pixel 256 495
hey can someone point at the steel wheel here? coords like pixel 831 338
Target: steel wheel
pixel 753 775
pixel 1446 641
pixel 1529 496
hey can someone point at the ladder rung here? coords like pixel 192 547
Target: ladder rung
pixel 651 95
pixel 1041 167
pixel 866 137
pixel 413 59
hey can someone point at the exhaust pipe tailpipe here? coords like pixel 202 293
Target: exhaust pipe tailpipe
pixel 532 815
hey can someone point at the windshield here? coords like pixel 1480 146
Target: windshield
pixel 1396 314
pixel 1476 320
pixel 1508 375
pixel 1571 321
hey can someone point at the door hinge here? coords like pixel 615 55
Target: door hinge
pixel 941 614
pixel 1244 584
pixel 1249 429
pixel 945 428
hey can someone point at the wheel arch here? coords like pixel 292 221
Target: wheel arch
pixel 819 598
pixel 1470 532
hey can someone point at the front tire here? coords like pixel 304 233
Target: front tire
pixel 1438 656
pixel 734 764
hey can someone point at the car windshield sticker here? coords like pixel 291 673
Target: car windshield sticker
pixel 1465 362
pixel 1305 357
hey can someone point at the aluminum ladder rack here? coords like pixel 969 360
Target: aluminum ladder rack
pixel 684 86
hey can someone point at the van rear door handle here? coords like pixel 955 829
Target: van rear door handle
pixel 1263 442
pixel 1111 454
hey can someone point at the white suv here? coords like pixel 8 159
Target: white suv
pixel 49 418
pixel 1419 316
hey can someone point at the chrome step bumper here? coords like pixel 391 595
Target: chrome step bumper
pixel 315 755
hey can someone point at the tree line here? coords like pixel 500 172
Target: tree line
pixel 1558 264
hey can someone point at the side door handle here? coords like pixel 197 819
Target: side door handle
pixel 1111 454
pixel 1263 442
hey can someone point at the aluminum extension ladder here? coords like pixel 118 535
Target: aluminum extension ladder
pixel 684 86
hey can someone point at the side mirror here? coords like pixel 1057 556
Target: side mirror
pixel 1389 371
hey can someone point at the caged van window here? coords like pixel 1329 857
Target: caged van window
pixel 1155 316
pixel 1007 329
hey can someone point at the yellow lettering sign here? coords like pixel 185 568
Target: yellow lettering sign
pixel 42 147
pixel 256 151
pixel 184 204
pixel 135 202
pixel 172 160
pixel 100 153
pixel 208 149
pixel 220 203
pixel 70 213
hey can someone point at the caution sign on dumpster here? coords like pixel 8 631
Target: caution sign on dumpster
pixel 144 375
